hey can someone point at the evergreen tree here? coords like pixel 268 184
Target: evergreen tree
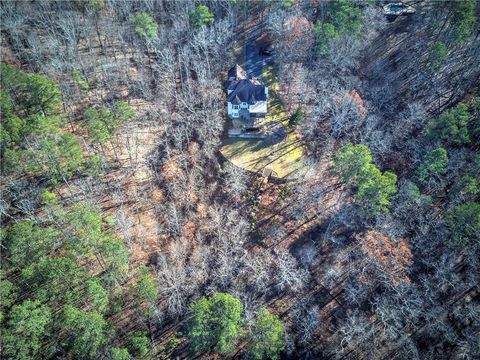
pixel 139 345
pixel 27 243
pixel 12 127
pixel 463 17
pixel 342 18
pixel 81 82
pixel 96 296
pixel 145 25
pixel 48 198
pixel 267 336
pixel 120 354
pixel 84 223
pixel 98 124
pixel 201 16
pixel 434 164
pixel 146 289
pixel 8 294
pixel 463 223
pixel 115 256
pixel 451 126
pixel 123 112
pixel 466 187
pixel 89 238
pixel 54 279
pixel 374 189
pixel 350 161
pixel 28 326
pixel 101 124
pixel 325 34
pixel 86 331
pixel 216 323
pixel 30 94
pixel 30 104
pixel 474 128
pixel 296 117
pixel 57 157
pixel 414 194
pixel 345 16
pixel 437 54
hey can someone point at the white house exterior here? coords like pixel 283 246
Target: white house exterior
pixel 246 97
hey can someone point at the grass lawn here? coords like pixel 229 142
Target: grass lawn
pixel 254 155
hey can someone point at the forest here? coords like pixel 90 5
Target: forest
pixel 129 232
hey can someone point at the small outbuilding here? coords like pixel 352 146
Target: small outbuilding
pixel 397 9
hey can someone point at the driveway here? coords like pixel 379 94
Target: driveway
pixel 254 62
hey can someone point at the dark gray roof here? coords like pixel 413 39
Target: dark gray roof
pixel 244 89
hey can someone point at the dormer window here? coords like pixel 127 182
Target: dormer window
pixel 236 107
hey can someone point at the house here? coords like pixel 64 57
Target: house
pixel 246 98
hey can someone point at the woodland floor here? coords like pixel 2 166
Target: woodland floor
pixel 128 192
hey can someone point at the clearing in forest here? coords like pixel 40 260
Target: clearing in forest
pixel 256 154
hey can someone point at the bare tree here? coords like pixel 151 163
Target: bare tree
pixel 289 276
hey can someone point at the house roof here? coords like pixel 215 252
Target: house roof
pixel 237 73
pixel 244 89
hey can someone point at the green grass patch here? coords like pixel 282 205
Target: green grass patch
pixel 254 155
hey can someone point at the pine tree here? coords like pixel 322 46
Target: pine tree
pixel 267 336
pixel 296 117
pixel 145 25
pixel 201 16
pixel 216 322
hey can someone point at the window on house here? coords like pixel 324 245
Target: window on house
pixel 235 107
